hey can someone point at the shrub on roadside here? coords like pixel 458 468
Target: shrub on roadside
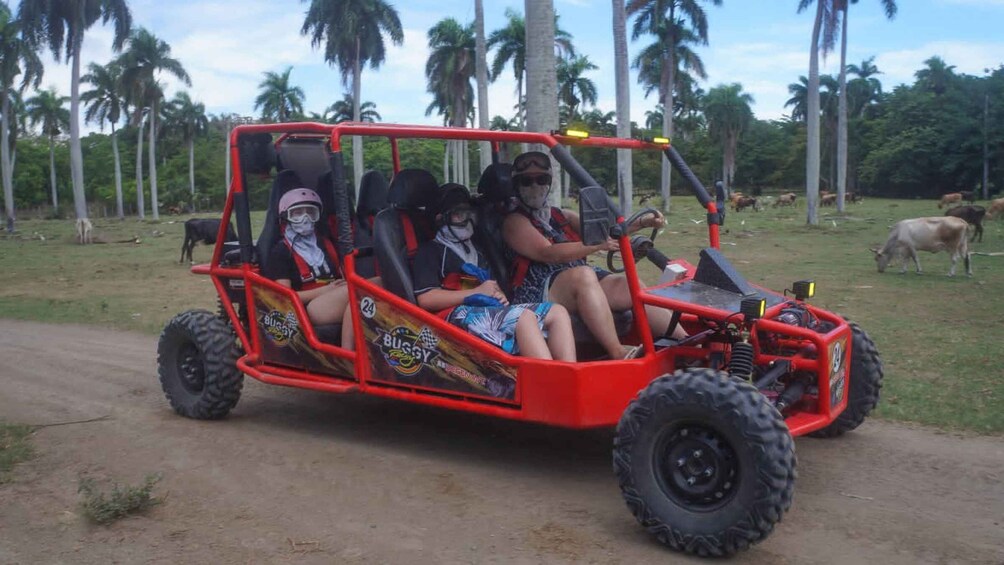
pixel 104 508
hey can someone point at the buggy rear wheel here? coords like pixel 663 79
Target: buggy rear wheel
pixel 704 462
pixel 197 364
pixel 865 382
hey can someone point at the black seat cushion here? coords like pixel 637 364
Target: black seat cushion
pixel 329 333
pixel 372 199
pixel 412 195
pixel 284 181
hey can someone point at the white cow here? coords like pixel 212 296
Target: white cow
pixel 941 233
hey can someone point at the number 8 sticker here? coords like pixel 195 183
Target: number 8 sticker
pixel 368 307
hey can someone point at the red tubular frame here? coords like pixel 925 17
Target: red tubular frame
pixel 579 395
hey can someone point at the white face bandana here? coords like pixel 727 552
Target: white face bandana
pixel 534 196
pixel 458 239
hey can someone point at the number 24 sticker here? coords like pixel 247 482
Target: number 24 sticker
pixel 368 307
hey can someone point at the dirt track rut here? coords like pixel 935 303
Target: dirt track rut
pixel 300 477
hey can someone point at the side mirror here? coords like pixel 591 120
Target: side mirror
pixel 594 215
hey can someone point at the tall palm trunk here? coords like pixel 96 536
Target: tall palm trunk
pixel 76 156
pixel 6 164
pixel 812 120
pixel 541 75
pixel 481 74
pixel 52 174
pixel 140 205
pixel 118 175
pixel 842 116
pixel 153 162
pixel 625 182
pixel 667 112
pixel 191 169
pixel 357 141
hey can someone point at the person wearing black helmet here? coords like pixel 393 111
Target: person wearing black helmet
pixel 450 273
pixel 549 258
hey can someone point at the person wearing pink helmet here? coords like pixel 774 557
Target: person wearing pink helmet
pixel 307 262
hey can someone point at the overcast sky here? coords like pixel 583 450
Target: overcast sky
pixel 226 45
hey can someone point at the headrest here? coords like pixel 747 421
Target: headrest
pixel 413 189
pixel 496 183
pixel 372 194
pixel 257 153
pixel 285 181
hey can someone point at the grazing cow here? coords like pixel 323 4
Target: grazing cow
pixel 828 199
pixel 950 198
pixel 996 207
pixel 786 199
pixel 925 234
pixel 852 197
pixel 744 202
pixel 204 230
pixel 84 228
pixel 968 195
pixel 973 215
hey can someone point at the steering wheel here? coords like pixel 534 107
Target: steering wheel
pixel 640 245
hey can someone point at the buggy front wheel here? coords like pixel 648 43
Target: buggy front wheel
pixel 197 365
pixel 704 462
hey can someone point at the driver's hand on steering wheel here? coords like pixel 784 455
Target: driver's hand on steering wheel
pixel 655 220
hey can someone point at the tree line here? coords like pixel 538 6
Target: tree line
pixel 843 132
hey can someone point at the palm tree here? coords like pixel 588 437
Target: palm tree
pixel 147 57
pixel 352 33
pixel 481 78
pixel 17 57
pixel 844 5
pixel 46 109
pixel 190 119
pixel 449 71
pixel 573 88
pixel 511 44
pixel 625 182
pixel 62 24
pixel 936 76
pixel 799 99
pixel 342 110
pixel 104 103
pixel 864 90
pixel 541 75
pixel 823 39
pixel 728 111
pixel 654 117
pixel 279 101
pixel 666 19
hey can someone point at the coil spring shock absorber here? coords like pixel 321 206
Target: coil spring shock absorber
pixel 741 362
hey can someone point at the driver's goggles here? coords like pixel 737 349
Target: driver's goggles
pixel 460 216
pixel 530 180
pixel 296 213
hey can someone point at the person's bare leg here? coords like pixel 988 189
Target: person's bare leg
pixel 329 307
pixel 528 337
pixel 619 295
pixel 560 340
pixel 578 290
pixel 348 335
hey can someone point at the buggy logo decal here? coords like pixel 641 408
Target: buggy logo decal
pixel 405 351
pixel 280 327
pixel 837 380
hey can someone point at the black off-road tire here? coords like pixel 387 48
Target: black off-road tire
pixel 865 382
pixel 197 364
pixel 721 432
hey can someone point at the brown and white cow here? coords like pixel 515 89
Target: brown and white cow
pixel 786 199
pixel 996 207
pixel 950 198
pixel 940 233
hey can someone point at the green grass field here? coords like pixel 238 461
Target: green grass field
pixel 935 333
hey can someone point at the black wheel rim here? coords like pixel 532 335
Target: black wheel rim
pixel 191 368
pixel 695 466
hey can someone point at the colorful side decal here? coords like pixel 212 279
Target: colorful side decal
pixel 838 361
pixel 283 341
pixel 405 351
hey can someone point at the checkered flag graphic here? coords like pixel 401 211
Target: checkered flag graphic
pixel 429 339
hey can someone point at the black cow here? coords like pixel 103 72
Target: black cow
pixel 203 230
pixel 968 195
pixel 972 215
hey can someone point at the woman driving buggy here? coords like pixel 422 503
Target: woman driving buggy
pixel 307 262
pixel 549 259
pixel 450 273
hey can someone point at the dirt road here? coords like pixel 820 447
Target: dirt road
pixel 301 477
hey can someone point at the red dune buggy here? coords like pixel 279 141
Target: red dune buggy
pixel 703 449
